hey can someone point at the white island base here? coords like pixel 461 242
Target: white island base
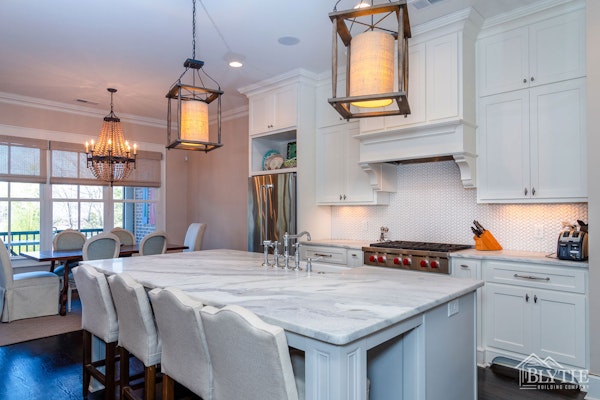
pixel 430 356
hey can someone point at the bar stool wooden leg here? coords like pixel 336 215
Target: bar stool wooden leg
pixel 87 361
pixel 150 382
pixel 109 371
pixel 168 387
pixel 124 370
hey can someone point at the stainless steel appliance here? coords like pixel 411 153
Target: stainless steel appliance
pixel 271 208
pixel 417 256
pixel 572 245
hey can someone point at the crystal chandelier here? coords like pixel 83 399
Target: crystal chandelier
pixel 111 159
pixel 187 113
pixel 376 41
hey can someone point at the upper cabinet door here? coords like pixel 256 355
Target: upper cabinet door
pixel 275 110
pixel 503 62
pixel 442 78
pixel 548 51
pixel 557 49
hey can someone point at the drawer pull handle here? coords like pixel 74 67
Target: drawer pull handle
pixel 323 255
pixel 536 278
pixel 464 266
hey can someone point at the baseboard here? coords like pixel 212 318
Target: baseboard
pixel 593 389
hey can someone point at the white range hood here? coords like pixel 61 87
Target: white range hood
pixel 442 100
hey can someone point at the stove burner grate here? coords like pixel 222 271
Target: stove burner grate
pixel 423 246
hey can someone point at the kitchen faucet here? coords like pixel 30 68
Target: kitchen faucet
pixel 286 244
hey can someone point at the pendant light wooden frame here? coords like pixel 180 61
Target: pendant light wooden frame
pixel 341 31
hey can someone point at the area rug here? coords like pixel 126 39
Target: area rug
pixel 40 327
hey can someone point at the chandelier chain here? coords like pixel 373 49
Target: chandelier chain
pixel 194 29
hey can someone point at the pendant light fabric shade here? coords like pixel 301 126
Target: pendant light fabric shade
pixel 194 121
pixel 111 159
pixel 376 59
pixel 372 67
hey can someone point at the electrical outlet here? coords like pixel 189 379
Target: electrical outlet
pixel 538 231
pixel 365 225
pixel 453 307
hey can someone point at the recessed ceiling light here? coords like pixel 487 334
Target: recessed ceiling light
pixel 288 40
pixel 234 60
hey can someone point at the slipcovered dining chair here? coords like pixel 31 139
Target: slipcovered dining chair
pixel 194 236
pixel 101 247
pixel 99 318
pixel 127 238
pixel 27 294
pixel 154 243
pixel 234 333
pixel 138 334
pixel 69 239
pixel 184 356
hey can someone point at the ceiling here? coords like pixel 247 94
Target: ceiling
pixel 72 50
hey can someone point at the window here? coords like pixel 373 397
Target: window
pixel 135 209
pixel 79 207
pixel 20 216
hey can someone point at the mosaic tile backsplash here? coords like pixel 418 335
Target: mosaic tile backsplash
pixel 432 205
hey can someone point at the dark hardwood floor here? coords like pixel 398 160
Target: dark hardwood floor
pixel 50 369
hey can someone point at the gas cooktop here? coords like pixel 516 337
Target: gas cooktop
pixel 423 246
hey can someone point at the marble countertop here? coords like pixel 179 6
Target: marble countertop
pixel 336 305
pixel 519 256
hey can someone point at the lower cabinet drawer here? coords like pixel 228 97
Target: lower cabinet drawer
pixel 545 277
pixel 326 254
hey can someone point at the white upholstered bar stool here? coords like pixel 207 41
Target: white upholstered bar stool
pixel 250 358
pixel 154 243
pixel 99 318
pixel 194 236
pixel 184 356
pixel 137 332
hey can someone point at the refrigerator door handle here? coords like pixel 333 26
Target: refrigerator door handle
pixel 264 202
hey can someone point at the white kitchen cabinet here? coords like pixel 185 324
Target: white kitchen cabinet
pixel 468 268
pixel 340 178
pixel 273 110
pixel 531 308
pixel 532 144
pixel 547 51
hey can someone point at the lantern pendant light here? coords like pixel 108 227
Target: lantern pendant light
pixel 188 107
pixel 376 59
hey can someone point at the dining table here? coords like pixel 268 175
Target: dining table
pixel 68 256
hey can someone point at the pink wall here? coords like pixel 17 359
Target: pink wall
pixel 218 188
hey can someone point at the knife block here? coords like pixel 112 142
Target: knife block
pixel 486 241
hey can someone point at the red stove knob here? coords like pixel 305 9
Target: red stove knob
pixel 397 261
pixel 372 258
pixel 381 259
pixel 424 263
pixel 406 261
pixel 435 264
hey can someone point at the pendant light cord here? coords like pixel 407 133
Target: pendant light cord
pixel 194 29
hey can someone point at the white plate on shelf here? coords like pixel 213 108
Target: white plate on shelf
pixel 272 160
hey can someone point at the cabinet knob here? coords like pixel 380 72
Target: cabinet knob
pixel 535 298
pixel 344 197
pixel 533 191
pixel 525 191
pixel 532 79
pixel 340 196
pixel 526 297
pixel 524 80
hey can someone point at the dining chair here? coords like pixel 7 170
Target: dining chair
pixel 69 239
pixel 100 247
pixel 234 333
pixel 194 236
pixel 26 294
pixel 154 243
pixel 138 334
pixel 126 237
pixel 184 356
pixel 99 318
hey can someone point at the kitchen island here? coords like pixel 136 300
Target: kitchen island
pixel 411 334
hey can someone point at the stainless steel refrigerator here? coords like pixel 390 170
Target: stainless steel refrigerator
pixel 271 208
